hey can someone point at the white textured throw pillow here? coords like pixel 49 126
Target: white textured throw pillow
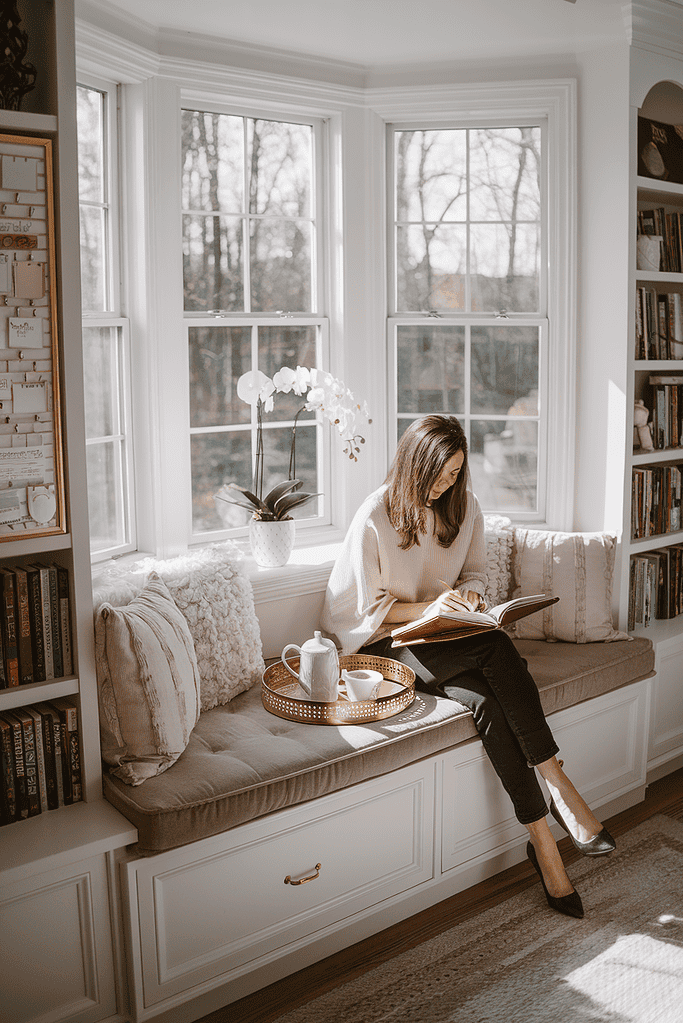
pixel 213 591
pixel 148 683
pixel 499 535
pixel 576 567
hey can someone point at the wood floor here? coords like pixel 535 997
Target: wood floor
pixel 664 796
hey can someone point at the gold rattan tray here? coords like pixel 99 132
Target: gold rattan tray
pixel 278 691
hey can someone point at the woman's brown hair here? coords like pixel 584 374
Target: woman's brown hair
pixel 422 453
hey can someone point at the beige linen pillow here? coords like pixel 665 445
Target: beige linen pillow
pixel 576 567
pixel 149 687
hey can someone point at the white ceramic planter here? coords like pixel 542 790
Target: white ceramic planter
pixel 271 542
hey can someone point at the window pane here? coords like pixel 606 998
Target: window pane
pixel 280 266
pixel 218 358
pixel 292 347
pixel 276 446
pixel 90 114
pixel 213 161
pixel 280 168
pixel 101 368
pixel 218 459
pixel 504 464
pixel 431 264
pixel 213 268
pixel 431 182
pixel 504 174
pixel 93 259
pixel 105 485
pixel 505 370
pixel 505 265
pixel 431 369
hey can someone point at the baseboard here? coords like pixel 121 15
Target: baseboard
pixel 657 770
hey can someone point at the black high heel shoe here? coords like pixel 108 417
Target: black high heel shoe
pixel 598 845
pixel 570 905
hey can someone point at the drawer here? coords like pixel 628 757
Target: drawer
pixel 208 910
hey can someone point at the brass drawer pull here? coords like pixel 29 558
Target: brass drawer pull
pixel 305 880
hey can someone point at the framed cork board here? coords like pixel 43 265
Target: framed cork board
pixel 31 459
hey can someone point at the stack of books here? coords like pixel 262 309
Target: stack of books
pixel 659 324
pixel 655 500
pixel 669 226
pixel 656 586
pixel 40 759
pixel 35 624
pixel 667 411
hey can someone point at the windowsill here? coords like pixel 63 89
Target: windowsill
pixel 307 570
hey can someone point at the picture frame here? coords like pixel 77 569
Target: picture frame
pixel 31 444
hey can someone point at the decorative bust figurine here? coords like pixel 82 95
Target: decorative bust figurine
pixel 642 433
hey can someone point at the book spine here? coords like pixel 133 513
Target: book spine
pixel 20 782
pixel 30 764
pixel 8 808
pixel 59 758
pixel 62 709
pixel 36 616
pixel 46 619
pixel 23 628
pixel 55 624
pixel 10 628
pixel 39 745
pixel 65 619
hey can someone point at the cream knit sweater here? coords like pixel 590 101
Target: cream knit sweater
pixel 372 572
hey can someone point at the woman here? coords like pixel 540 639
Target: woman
pixel 423 530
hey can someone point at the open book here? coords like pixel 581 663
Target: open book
pixel 437 628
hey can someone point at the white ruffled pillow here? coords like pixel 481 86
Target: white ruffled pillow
pixel 499 534
pixel 212 590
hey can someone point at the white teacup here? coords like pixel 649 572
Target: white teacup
pixel 362 684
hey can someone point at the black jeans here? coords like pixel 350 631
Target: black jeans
pixel 485 673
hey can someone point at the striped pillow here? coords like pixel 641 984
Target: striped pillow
pixel 576 567
pixel 148 680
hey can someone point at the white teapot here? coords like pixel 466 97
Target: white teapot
pixel 318 668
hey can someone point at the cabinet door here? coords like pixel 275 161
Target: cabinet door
pixel 208 911
pixel 56 950
pixel 666 726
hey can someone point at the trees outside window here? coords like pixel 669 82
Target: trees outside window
pixel 251 226
pixel 468 330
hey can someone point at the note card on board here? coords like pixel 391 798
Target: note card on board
pixel 25 333
pixel 30 397
pixel 19 173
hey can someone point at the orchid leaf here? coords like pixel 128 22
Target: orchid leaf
pixel 289 501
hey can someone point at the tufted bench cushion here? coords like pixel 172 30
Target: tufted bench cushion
pixel 243 762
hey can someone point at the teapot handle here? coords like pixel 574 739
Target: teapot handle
pixel 291 646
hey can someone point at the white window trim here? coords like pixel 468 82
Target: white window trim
pixel 158 85
pixel 555 102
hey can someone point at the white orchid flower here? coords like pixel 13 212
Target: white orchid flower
pixel 253 385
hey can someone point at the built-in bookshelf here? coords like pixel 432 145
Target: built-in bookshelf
pixel 653 534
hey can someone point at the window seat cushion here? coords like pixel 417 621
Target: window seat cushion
pixel 242 762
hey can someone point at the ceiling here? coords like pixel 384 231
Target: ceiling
pixel 381 33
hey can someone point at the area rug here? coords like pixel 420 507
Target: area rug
pixel 520 962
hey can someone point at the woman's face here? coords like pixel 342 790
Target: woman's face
pixel 447 476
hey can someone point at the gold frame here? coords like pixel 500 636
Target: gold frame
pixel 29 527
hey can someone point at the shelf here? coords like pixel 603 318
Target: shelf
pixel 661 629
pixel 62 836
pixel 650 543
pixel 37 692
pixel 651 185
pixel 34 124
pixel 657 456
pixel 33 546
pixel 658 277
pixel 655 365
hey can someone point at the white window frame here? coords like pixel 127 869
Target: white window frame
pixel 471 319
pixel 318 316
pixel 553 104
pixel 112 316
